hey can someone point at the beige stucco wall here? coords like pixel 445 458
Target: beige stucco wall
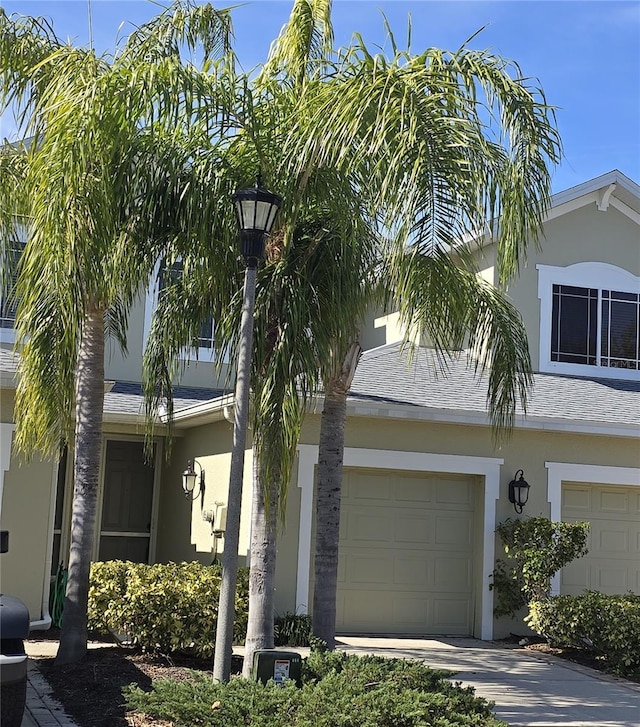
pixel 27 500
pixel 182 532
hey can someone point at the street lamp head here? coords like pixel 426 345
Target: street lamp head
pixel 256 211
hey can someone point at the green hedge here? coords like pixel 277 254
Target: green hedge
pixel 162 608
pixel 608 626
pixel 351 691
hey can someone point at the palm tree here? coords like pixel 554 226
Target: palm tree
pixel 405 146
pixel 90 182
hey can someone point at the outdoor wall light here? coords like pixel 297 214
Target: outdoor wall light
pixel 191 478
pixel 519 491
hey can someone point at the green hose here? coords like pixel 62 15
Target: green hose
pixel 56 596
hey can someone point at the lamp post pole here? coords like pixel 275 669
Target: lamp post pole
pixel 256 210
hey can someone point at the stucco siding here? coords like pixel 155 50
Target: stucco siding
pixel 27 500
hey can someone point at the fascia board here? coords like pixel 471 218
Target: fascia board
pixel 475 418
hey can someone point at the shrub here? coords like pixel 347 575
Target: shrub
pixel 162 608
pixel 607 626
pixel 292 629
pixel 352 691
pixel 538 548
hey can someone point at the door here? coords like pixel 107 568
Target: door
pixel 406 553
pixel 127 501
pixel 612 564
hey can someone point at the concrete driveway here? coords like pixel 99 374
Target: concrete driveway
pixel 529 689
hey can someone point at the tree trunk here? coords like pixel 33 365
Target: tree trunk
pixel 328 492
pixel 262 569
pixel 226 603
pixel 88 442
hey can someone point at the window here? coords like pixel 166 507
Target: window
pixel 8 302
pixel 204 343
pixel 590 326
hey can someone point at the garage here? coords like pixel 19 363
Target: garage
pixel 406 552
pixel 612 564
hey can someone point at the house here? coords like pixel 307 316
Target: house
pixel 424 485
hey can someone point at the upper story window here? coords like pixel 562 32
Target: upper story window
pixel 8 302
pixel 204 344
pixel 589 320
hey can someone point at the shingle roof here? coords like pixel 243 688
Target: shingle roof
pixel 127 398
pixel 384 375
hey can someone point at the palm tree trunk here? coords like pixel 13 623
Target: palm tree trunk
pixel 88 442
pixel 262 569
pixel 328 493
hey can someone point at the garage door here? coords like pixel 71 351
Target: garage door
pixel 613 562
pixel 406 553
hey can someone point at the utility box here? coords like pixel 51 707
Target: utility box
pixel 277 665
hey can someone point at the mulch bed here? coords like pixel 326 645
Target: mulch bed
pixel 91 691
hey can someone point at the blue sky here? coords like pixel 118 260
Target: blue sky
pixel 585 53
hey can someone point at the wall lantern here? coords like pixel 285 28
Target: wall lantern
pixel 519 491
pixel 191 479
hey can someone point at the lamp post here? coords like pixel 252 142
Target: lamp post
pixel 256 209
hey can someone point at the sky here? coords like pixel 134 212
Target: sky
pixel 585 54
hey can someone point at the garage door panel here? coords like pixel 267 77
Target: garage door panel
pixel 614 502
pixel 453 492
pixel 453 575
pixel 412 490
pixel 403 549
pixel 411 613
pixel 611 579
pixel 367 567
pixel 451 530
pixel 610 538
pixel 449 613
pixel 612 564
pixel 412 572
pixel 575 498
pixel 411 528
pixel 369 525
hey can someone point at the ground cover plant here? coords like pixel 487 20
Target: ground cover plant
pixel 353 691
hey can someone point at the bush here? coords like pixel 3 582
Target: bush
pixel 351 691
pixel 538 548
pixel 607 626
pixel 292 629
pixel 162 608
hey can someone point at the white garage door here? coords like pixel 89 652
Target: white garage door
pixel 613 562
pixel 406 553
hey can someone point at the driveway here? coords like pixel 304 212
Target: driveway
pixel 529 689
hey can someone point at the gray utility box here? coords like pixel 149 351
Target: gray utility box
pixel 277 665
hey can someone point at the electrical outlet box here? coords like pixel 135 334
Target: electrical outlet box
pixel 277 665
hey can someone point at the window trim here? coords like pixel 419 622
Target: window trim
pixel 602 276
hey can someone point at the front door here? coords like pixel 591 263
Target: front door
pixel 125 528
